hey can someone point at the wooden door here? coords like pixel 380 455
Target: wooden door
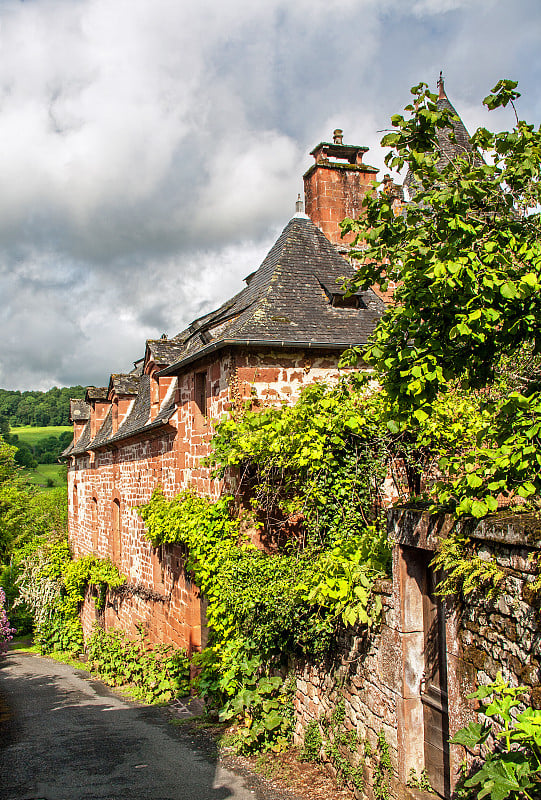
pixel 434 689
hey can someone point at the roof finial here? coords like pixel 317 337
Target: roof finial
pixel 299 205
pixel 441 87
pixel 337 136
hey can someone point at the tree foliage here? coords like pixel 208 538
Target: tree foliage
pixel 24 512
pixel 38 408
pixel 466 254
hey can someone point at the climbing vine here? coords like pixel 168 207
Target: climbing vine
pixel 315 469
pixel 53 584
pixel 314 472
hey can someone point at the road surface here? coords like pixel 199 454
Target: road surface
pixel 65 736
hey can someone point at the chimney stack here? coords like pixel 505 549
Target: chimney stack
pixel 335 185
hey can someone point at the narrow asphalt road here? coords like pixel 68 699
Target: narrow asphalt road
pixel 64 736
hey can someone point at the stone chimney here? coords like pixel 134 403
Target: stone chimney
pixel 335 184
pixel 79 416
pixel 96 397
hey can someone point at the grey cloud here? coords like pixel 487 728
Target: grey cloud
pixel 151 151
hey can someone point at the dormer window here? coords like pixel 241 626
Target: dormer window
pixel 343 301
pixel 337 296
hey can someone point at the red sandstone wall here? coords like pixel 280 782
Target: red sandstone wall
pixel 332 192
pixel 172 459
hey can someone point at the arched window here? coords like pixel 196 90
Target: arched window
pixel 94 523
pixel 116 529
pixel 74 504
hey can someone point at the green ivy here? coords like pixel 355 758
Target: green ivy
pixel 512 769
pixel 383 769
pixel 419 781
pixel 159 673
pixel 52 585
pixel 322 463
pixel 284 603
pixel 319 464
pixel 313 742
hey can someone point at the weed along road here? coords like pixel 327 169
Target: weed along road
pixel 64 736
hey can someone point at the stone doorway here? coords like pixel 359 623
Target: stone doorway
pixel 434 694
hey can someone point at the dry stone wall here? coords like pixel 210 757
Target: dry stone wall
pixel 381 679
pixel 362 680
pixel 504 634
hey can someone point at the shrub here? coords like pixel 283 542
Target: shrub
pixel 161 673
pixel 513 768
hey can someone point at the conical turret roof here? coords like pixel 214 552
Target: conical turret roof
pixel 449 149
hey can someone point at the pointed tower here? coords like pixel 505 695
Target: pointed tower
pixel 450 149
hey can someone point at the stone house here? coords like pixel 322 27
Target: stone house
pixel 287 327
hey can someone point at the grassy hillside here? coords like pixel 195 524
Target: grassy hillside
pixel 47 476
pixel 31 436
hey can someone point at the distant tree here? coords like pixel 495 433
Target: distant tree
pixel 24 456
pixel 15 501
pixel 4 425
pixel 38 408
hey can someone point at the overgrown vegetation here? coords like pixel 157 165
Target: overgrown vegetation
pixel 52 585
pixel 311 478
pixel 466 254
pixel 155 674
pixel 512 769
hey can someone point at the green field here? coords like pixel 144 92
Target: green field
pixel 47 472
pixel 46 476
pixel 31 436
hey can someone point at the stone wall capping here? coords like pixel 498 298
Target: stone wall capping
pixel 416 527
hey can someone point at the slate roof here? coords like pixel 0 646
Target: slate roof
pixel 165 351
pixel 449 148
pixel 105 430
pixel 79 410
pixel 287 301
pixel 124 384
pixel 137 420
pixel 96 393
pixel 82 442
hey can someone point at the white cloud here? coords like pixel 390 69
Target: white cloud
pixel 149 147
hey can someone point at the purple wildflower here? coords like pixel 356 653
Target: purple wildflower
pixel 6 631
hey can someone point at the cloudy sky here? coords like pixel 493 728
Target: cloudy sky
pixel 152 150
